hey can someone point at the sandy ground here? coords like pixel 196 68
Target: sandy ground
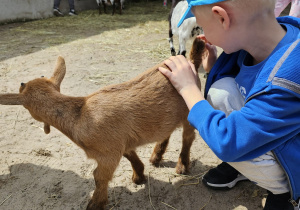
pixel 39 171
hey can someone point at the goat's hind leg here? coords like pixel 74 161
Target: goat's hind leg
pixel 159 150
pixel 172 48
pixel 188 136
pixel 102 175
pixel 137 167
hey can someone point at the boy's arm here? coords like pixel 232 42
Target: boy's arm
pixel 266 121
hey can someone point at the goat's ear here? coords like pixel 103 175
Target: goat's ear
pixel 59 71
pixel 11 99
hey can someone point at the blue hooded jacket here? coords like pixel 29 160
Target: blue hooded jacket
pixel 270 119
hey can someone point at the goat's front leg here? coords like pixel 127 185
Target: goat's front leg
pixel 121 7
pixel 104 6
pixel 188 136
pixel 99 8
pixel 137 167
pixel 159 150
pixel 114 8
pixel 182 43
pixel 102 175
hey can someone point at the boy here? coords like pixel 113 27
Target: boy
pixel 251 118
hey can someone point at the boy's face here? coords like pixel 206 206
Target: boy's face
pixel 204 19
pixel 215 33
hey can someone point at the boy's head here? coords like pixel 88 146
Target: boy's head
pixel 228 23
pixel 188 13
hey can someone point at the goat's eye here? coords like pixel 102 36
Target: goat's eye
pixel 42 76
pixel 22 84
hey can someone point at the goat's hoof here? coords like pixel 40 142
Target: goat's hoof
pixel 181 169
pixel 139 179
pixel 154 160
pixel 96 206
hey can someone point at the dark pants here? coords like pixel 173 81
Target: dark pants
pixel 279 202
pixel 71 4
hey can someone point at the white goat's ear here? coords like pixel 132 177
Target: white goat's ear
pixel 59 71
pixel 11 99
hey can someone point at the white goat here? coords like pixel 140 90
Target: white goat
pixel 188 29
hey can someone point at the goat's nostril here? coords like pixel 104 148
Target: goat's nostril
pixel 22 84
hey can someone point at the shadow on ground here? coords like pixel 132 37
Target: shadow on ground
pixel 41 187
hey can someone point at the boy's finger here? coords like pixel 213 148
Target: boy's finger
pixel 202 36
pixel 178 60
pixel 165 72
pixel 170 63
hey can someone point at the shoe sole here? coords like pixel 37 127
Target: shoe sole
pixel 225 186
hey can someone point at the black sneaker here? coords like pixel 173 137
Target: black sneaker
pixel 72 12
pixel 278 202
pixel 224 176
pixel 57 12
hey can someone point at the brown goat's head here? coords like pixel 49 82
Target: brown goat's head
pixel 36 90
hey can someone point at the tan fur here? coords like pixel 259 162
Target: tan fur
pixel 111 122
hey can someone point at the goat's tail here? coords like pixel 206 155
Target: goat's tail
pixel 198 48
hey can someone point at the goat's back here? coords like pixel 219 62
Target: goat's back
pixel 145 109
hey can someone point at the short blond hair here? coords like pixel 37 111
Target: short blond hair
pixel 250 5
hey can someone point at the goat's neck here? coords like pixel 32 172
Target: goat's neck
pixel 60 111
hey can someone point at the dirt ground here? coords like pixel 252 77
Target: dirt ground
pixel 39 171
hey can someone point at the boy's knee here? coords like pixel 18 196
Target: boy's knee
pixel 225 96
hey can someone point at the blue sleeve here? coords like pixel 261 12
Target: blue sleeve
pixel 264 123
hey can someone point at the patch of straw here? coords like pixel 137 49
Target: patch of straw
pixel 5 199
pixel 150 192
pixel 206 203
pixel 115 204
pixel 168 205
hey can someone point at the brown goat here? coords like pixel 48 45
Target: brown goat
pixel 113 121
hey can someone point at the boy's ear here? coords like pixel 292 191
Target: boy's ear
pixel 221 14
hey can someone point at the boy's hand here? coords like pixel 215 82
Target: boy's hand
pixel 210 56
pixel 182 74
pixel 184 78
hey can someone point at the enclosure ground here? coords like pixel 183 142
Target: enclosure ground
pixel 39 171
